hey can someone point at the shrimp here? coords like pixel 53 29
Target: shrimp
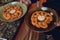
pixel 6 16
pixel 44 25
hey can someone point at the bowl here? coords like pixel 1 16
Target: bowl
pixel 45 9
pixel 23 6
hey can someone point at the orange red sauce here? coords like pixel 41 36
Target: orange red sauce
pixel 12 12
pixel 41 19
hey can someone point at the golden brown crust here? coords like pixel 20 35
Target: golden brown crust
pixel 41 24
pixel 44 25
pixel 18 12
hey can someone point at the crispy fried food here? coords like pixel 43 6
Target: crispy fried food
pixel 6 16
pixel 44 25
pixel 12 12
pixel 38 25
pixel 48 18
pixel 41 19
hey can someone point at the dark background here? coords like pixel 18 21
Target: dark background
pixel 55 4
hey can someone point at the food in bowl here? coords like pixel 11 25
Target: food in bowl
pixel 41 19
pixel 12 12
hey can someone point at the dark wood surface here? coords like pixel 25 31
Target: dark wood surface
pixel 26 37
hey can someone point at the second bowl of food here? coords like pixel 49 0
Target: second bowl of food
pixel 12 11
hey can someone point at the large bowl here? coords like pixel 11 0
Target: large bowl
pixel 41 30
pixel 23 6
